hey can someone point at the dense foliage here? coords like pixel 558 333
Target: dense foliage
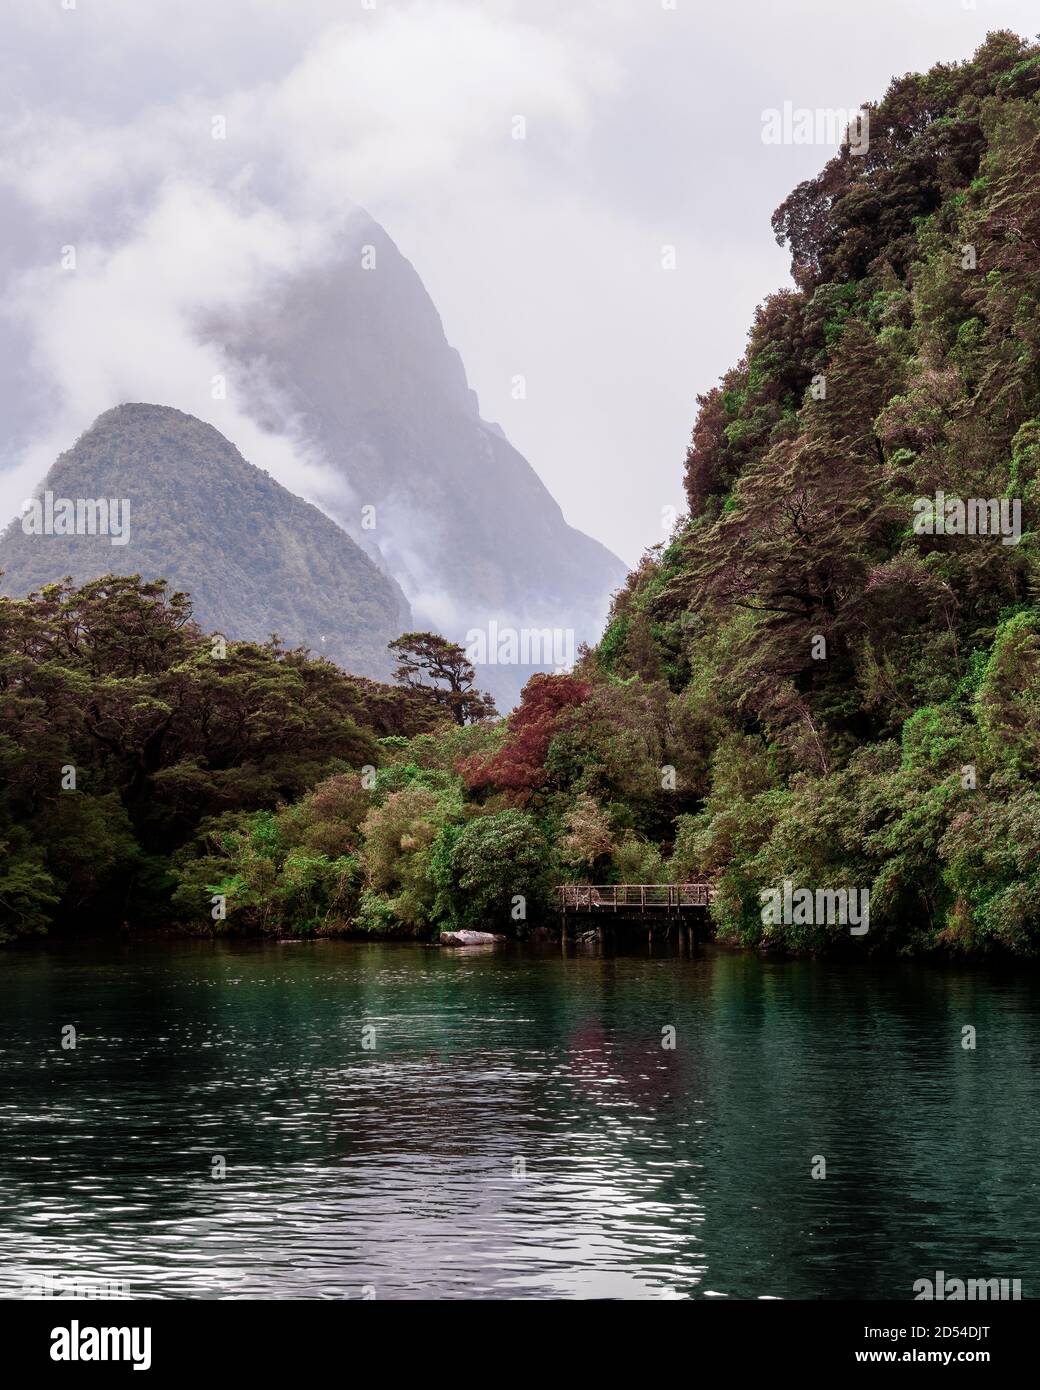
pixel 867 694
pixel 123 728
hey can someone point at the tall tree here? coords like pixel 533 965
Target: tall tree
pixel 425 657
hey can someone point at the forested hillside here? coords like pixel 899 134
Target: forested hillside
pixel 867 694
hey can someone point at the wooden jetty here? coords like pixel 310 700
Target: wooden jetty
pixel 634 899
pixel 603 905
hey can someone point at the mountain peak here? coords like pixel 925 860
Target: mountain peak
pixel 255 558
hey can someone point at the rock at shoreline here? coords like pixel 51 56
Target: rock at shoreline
pixel 470 938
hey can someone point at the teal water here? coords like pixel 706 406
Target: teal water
pixel 517 1129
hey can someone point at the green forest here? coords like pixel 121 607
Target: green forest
pixel 825 676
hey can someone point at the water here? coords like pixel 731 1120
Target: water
pixel 518 1129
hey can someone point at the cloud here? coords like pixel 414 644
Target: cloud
pixel 421 96
pixel 184 212
pixel 124 324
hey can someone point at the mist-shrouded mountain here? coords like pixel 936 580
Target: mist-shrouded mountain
pixel 255 559
pixel 353 356
pixel 441 522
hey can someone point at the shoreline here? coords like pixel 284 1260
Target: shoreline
pixel 541 941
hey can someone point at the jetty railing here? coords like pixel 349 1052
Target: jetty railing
pixel 634 897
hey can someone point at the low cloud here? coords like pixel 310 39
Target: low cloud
pixel 187 213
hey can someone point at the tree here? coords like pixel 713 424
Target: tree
pixel 518 767
pixel 495 863
pixel 589 838
pixel 399 844
pixel 428 654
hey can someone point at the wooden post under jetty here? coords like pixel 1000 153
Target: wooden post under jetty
pixel 681 904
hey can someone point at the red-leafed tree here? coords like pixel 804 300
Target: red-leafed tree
pixel 518 767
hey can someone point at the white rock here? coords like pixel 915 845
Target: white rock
pixel 469 938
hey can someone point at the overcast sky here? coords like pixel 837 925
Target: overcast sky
pixel 644 124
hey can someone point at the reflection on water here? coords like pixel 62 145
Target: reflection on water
pixel 517 1130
